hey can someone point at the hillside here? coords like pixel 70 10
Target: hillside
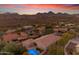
pixel 14 19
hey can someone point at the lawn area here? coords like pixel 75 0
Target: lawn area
pixel 58 47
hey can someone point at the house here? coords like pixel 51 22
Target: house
pixel 14 36
pixel 45 41
pixel 41 30
pixel 70 24
pixel 40 44
pixel 72 47
pixel 10 30
pixel 26 27
pixel 10 36
pixel 61 29
pixel 31 47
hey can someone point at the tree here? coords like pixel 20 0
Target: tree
pixel 2 44
pixel 11 48
pixel 48 29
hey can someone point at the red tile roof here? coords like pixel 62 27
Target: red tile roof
pixel 28 43
pixel 10 36
pixel 13 36
pixel 45 41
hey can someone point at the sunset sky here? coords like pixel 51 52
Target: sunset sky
pixel 35 8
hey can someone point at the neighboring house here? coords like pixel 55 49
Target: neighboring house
pixel 45 41
pixel 14 36
pixel 40 44
pixel 31 47
pixel 10 36
pixel 72 47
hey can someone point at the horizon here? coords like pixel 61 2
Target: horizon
pixel 38 12
pixel 31 9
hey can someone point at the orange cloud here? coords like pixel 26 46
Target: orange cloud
pixel 62 6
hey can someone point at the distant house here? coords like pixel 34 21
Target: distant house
pixel 10 30
pixel 27 27
pixel 41 30
pixel 60 30
pixel 70 24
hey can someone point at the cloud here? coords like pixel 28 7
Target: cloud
pixel 33 8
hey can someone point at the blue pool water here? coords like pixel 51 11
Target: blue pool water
pixel 33 52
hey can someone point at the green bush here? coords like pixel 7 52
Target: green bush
pixel 10 47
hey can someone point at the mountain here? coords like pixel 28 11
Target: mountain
pixel 14 19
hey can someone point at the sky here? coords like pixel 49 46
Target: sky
pixel 36 8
